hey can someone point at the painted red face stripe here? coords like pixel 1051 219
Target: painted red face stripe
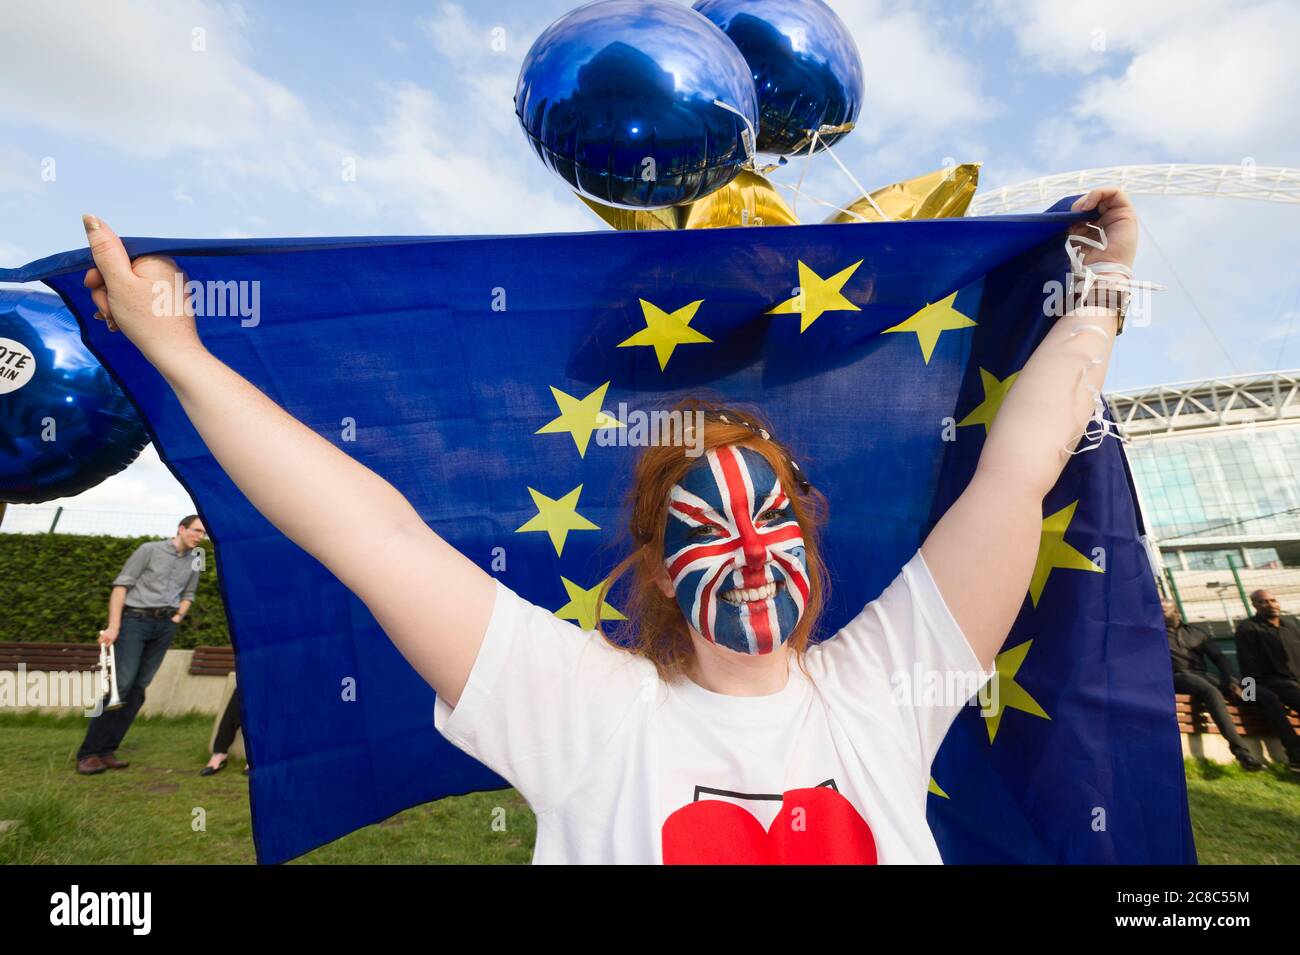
pixel 736 494
pixel 740 497
pixel 790 532
pixel 760 620
pixel 695 513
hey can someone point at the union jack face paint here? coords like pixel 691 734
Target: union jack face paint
pixel 735 552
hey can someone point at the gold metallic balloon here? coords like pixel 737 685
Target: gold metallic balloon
pixel 943 194
pixel 634 220
pixel 749 199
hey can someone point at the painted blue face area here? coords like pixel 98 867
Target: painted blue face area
pixel 735 552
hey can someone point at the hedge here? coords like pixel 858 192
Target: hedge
pixel 54 588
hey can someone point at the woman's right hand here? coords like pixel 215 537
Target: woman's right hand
pixel 140 298
pixel 108 636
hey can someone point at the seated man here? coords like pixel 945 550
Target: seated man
pixel 1188 649
pixel 1268 647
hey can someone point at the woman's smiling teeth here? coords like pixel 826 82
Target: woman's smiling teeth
pixel 745 595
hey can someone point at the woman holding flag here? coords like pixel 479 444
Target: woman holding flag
pixel 722 735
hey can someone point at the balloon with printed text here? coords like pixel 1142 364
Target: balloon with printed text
pixel 64 424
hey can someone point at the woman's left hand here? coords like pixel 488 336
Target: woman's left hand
pixel 1118 218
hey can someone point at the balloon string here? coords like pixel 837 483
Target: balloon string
pixel 1097 275
pixel 803 170
pixel 750 141
pixel 853 179
pixel 798 191
pixel 821 202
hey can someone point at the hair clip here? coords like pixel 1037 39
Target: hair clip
pixel 804 484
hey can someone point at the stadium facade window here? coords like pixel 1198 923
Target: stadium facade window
pixel 1221 484
pixel 1263 557
pixel 1212 559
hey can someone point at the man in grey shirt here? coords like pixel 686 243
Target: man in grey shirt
pixel 149 598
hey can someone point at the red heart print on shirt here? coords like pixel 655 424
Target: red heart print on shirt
pixel 814 827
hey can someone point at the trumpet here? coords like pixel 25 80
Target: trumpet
pixel 108 677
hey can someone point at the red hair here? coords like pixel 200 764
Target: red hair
pixel 656 627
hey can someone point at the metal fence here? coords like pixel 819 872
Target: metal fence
pixel 1218 600
pixel 42 519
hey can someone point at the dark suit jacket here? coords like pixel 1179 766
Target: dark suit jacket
pixel 1268 653
pixel 1189 647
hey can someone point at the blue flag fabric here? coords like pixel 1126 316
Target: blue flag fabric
pixel 444 363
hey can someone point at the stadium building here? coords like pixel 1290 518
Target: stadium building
pixel 1215 464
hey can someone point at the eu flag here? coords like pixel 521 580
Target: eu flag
pixel 484 378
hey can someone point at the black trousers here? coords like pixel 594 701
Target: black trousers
pixel 1269 707
pixel 231 719
pixel 1271 699
pixel 1288 691
pixel 1210 698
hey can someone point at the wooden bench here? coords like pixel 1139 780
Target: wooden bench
pixel 206 661
pixel 1248 720
pixel 212 661
pixel 49 656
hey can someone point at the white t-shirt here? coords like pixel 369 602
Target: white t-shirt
pixel 622 767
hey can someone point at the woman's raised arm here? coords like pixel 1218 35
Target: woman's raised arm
pixel 982 552
pixel 432 601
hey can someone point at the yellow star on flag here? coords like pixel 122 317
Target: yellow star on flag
pixel 580 417
pixel 1054 552
pixel 934 788
pixel 931 322
pixel 557 517
pixel 994 392
pixel 1008 694
pixel 664 331
pixel 582 605
pixel 817 295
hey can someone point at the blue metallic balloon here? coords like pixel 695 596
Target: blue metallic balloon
pixel 64 424
pixel 618 98
pixel 805 65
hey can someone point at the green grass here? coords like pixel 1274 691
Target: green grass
pixel 1244 818
pixel 146 814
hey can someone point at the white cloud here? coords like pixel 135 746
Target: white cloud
pixel 19 172
pixel 1227 265
pixel 453 34
pixel 1227 89
pixel 916 84
pixel 142 499
pixel 1204 81
pixel 429 161
pixel 1065 36
pixel 134 78
pixel 12 256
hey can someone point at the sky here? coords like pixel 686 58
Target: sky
pixel 194 118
